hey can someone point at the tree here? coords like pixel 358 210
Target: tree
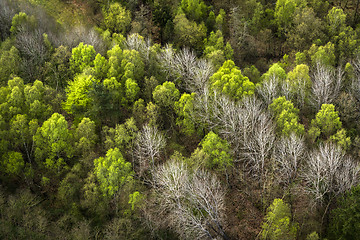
pixel 184 109
pixel 188 33
pixel 85 136
pixel 344 220
pixel 195 10
pixel 229 81
pixel 286 116
pixel 299 85
pixel 9 64
pixel 149 144
pixel 116 18
pixel 192 203
pixel 326 85
pixel 82 57
pixel 78 100
pixel 218 151
pixel 53 144
pixel 326 122
pixel 329 172
pixel 278 223
pixel 289 153
pixel 215 49
pixel 112 172
pixel 166 95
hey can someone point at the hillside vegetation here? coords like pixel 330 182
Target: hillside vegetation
pixel 179 119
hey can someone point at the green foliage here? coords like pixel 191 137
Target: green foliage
pixel 12 163
pixel 218 151
pixel 275 71
pixel 341 139
pixel 229 81
pixel 85 136
pixel 166 95
pixel 323 54
pixel 53 143
pixel 336 21
pixel 116 18
pixel 188 33
pixel 345 219
pixel 77 94
pixel 112 172
pixel 22 21
pixel 195 10
pixel 286 116
pixel 9 64
pixel 121 136
pixel 184 108
pixel 327 122
pixel 135 199
pixel 313 236
pixel 82 57
pixel 284 13
pixel 215 49
pixel 278 223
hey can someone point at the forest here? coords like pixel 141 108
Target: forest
pixel 180 119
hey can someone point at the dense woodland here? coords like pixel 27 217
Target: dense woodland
pixel 179 119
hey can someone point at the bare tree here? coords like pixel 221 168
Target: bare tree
pixel 148 146
pixel 136 42
pixel 184 67
pixel 6 14
pixel 326 84
pixel 289 152
pixel 192 203
pixel 356 79
pixel 258 145
pixel 269 89
pixel 329 172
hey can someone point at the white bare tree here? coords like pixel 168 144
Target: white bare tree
pixel 326 84
pixel 136 42
pixel 329 172
pixel 288 154
pixel 192 203
pixel 258 145
pixel 148 146
pixel 269 89
pixel 356 79
pixel 191 73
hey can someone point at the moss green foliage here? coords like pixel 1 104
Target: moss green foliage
pixel 112 172
pixel 327 124
pixel 344 223
pixel 116 18
pixel 218 151
pixel 82 57
pixel 229 81
pixel 53 144
pixel 184 108
pixel 286 116
pixel 166 95
pixel 278 224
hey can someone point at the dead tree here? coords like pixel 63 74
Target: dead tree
pixel 148 146
pixel 192 203
pixel 329 172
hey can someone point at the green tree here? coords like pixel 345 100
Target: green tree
pixel 229 81
pixel 345 219
pixel 285 12
pixel 53 143
pixel 112 172
pixel 195 10
pixel 188 33
pixel 12 163
pixel 326 123
pixel 218 151
pixel 215 49
pixel 278 223
pixel 184 109
pixel 166 95
pixel 9 64
pixel 78 99
pixel 85 136
pixel 82 57
pixel 116 18
pixel 286 116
